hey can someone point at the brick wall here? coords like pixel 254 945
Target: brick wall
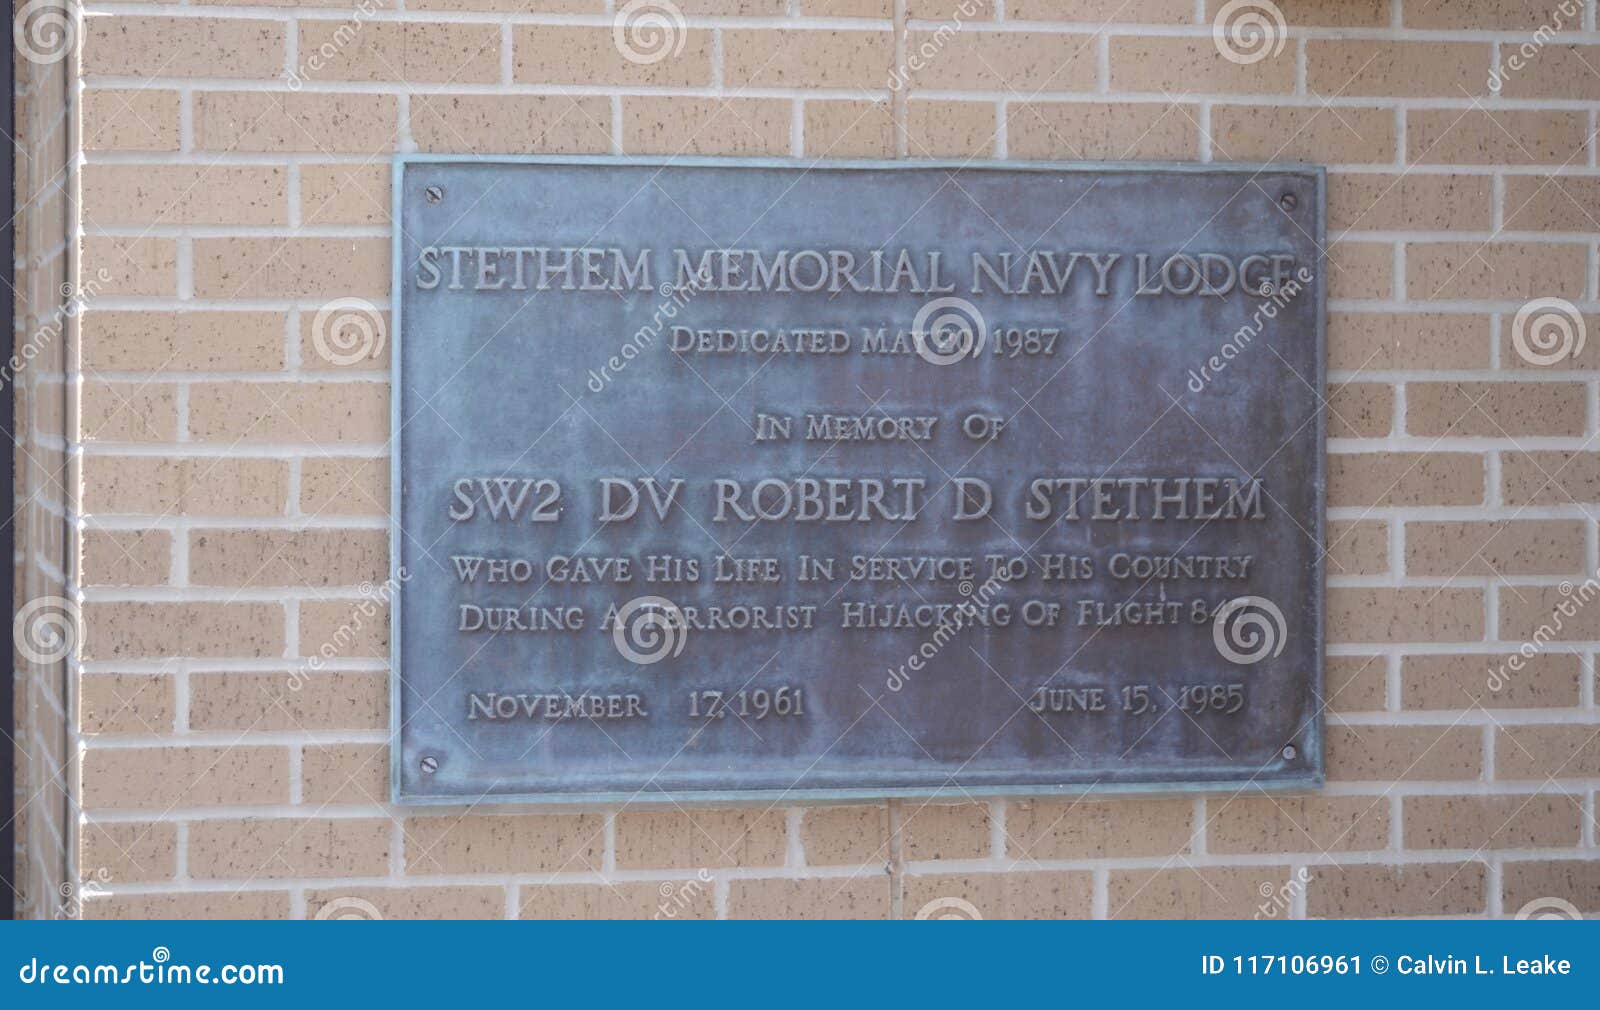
pixel 233 488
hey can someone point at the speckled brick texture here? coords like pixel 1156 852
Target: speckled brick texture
pixel 230 489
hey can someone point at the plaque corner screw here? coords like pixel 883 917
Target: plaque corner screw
pixel 430 764
pixel 433 194
pixel 1289 752
pixel 1288 201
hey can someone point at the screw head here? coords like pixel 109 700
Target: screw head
pixel 430 764
pixel 1288 201
pixel 434 194
pixel 1289 752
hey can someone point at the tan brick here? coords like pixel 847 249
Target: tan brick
pixel 1539 753
pixel 670 125
pixel 1308 13
pixel 1095 830
pixel 1573 880
pixel 1551 202
pixel 1541 343
pixel 129 45
pixel 512 124
pixel 950 129
pixel 1382 340
pixel 124 853
pixel 1350 68
pixel 849 8
pixel 1019 64
pixel 184 194
pixel 1000 895
pixel 1553 71
pixel 411 52
pixel 1403 478
pixel 1554 477
pixel 1468 15
pixel 348 629
pixel 224 904
pixel 514 6
pixel 946 10
pixel 1180 66
pixel 1172 12
pixel 849 836
pixel 346 194
pixel 670 899
pixel 1269 824
pixel 126 703
pixel 1192 892
pixel 130 119
pixel 314 413
pixel 1267 133
pixel 1563 613
pixel 1498 547
pixel 259 848
pixel 1105 131
pixel 344 485
pixel 1360 270
pixel 156 630
pixel 1358 548
pixel 1496 409
pixel 290 267
pixel 1414 201
pixel 1360 410
pixel 345 773
pixel 288 700
pixel 690 839
pixel 1415 889
pixel 1404 753
pixel 858 897
pixel 447 902
pixel 1497 137
pixel 130 266
pixel 1547 680
pixel 944 831
pixel 580 54
pixel 826 58
pixel 1496 270
pixel 301 121
pixel 297 558
pixel 199 485
pixel 1492 822
pixel 1380 614
pixel 522 843
pixel 344 339
pixel 127 412
pixel 120 341
pixel 127 557
pixel 849 129
pixel 1355 683
pixel 159 778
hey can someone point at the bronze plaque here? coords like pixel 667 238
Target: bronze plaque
pixel 782 481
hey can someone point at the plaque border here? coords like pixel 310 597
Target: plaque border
pixel 1312 777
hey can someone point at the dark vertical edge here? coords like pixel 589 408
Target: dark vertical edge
pixel 8 728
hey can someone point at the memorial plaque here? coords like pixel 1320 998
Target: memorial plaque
pixel 719 480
